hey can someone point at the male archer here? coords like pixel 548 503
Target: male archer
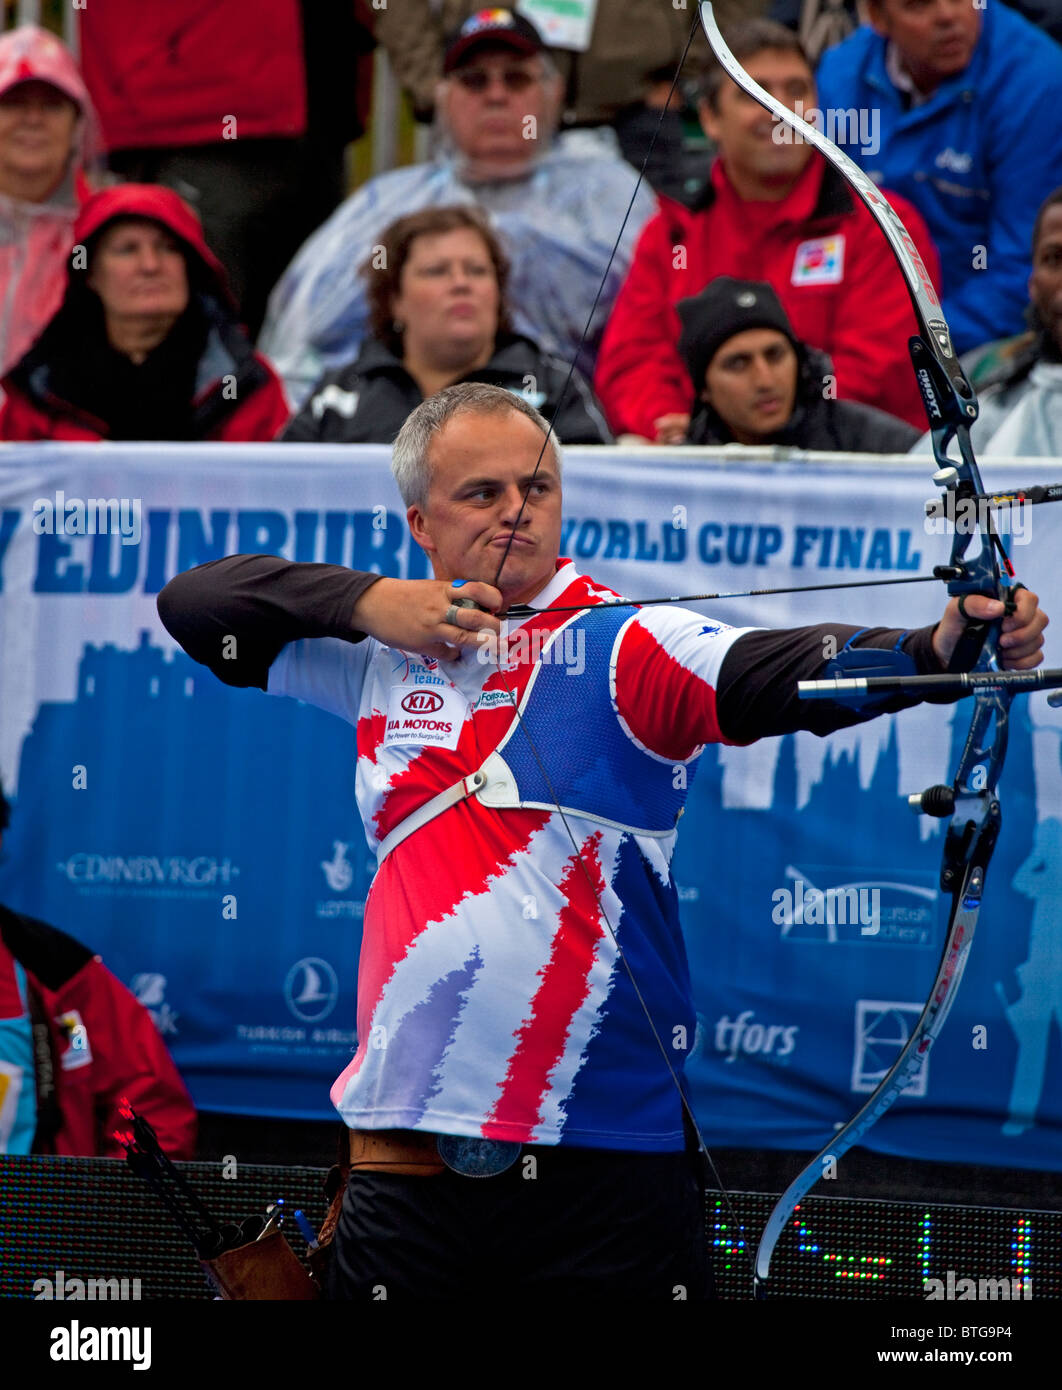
pixel 516 1126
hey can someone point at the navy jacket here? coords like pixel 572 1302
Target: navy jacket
pixel 367 402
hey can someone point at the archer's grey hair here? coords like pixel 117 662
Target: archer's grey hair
pixel 409 453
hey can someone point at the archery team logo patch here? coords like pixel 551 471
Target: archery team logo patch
pixel 820 261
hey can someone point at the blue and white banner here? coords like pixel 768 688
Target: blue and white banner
pixel 204 839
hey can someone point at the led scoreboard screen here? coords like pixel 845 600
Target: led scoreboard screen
pixel 85 1217
pixel 836 1247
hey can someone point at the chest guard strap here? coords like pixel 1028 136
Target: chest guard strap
pixel 595 769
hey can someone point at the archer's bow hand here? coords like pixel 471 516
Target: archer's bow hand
pixel 1021 642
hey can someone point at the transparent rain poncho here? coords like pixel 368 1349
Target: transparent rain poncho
pixel 558 223
pixel 36 238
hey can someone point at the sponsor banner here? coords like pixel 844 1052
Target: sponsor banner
pixel 204 839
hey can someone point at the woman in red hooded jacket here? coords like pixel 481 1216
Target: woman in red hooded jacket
pixel 146 343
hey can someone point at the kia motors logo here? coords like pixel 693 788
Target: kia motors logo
pixel 422 702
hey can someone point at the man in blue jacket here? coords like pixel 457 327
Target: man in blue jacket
pixel 968 100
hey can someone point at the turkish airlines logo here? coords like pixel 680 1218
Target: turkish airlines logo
pixel 422 702
pixel 311 989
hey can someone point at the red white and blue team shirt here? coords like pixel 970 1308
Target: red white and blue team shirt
pixel 492 1001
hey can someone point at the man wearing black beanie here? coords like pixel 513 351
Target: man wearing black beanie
pixel 758 384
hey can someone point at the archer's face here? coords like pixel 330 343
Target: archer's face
pixel 1045 282
pixel 481 469
pixel 744 130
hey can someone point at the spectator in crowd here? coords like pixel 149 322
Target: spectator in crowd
pixel 775 211
pixel 558 211
pixel 820 23
pixel 146 343
pixel 48 139
pixel 1019 380
pixel 73 1043
pixel 965 97
pixel 438 315
pixel 617 63
pixel 757 383
pixel 244 108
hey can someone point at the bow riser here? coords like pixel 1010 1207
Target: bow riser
pixel 951 407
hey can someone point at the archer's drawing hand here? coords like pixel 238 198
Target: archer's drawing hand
pixel 411 614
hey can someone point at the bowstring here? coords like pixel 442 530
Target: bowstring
pixel 546 443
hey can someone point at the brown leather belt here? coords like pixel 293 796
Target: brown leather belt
pixel 401 1151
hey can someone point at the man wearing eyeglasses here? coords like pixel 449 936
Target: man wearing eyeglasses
pixel 498 86
pixel 557 207
pixel 616 60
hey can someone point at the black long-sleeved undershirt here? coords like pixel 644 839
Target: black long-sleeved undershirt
pixel 264 602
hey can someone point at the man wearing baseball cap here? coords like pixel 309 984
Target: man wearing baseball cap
pixel 499 98
pixel 502 28
pixel 758 384
pixel 556 206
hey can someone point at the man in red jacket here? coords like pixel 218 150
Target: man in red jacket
pixel 775 211
pixel 73 1042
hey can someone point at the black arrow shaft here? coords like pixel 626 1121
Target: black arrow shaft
pixel 524 610
pixel 961 683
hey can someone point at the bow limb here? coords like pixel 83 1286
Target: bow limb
pixel 971 801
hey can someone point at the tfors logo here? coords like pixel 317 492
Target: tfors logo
pixel 775 1039
pixel 422 702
